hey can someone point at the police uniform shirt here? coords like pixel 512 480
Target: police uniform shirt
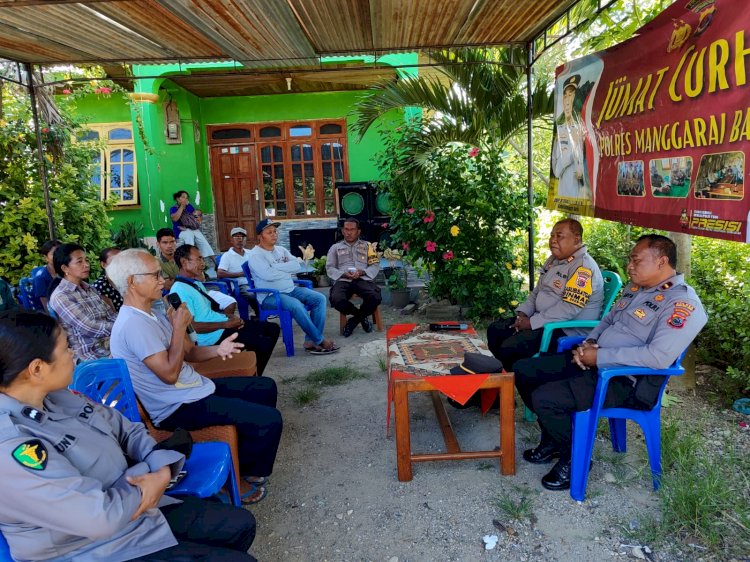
pixel 569 289
pixel 360 255
pixel 62 480
pixel 649 327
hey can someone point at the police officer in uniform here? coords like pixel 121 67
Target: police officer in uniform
pixel 656 318
pixel 353 265
pixel 570 287
pixel 79 481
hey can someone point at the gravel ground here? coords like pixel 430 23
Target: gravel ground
pixel 334 494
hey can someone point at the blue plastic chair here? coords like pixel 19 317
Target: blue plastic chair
pixel 25 292
pixel 612 286
pixel 4 550
pixel 285 317
pixel 585 423
pixel 210 464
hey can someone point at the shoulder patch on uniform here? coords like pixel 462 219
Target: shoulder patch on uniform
pixel 578 289
pixel 31 454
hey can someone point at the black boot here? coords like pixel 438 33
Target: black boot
pixel 350 325
pixel 543 453
pixel 559 477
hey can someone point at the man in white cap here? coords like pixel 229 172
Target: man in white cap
pixel 272 267
pixel 230 264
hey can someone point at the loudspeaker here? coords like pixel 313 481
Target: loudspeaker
pixel 382 204
pixel 321 238
pixel 355 200
pixel 378 230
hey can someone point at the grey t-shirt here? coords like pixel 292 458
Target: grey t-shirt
pixel 136 336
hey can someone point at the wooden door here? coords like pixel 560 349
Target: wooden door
pixel 235 188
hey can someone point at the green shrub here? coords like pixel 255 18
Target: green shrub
pixel 468 234
pixel 79 215
pixel 720 273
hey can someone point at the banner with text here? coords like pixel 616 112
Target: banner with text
pixel 655 131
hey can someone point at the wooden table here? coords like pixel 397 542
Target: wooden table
pixel 409 373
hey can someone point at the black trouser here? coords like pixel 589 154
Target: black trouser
pixel 260 337
pixel 553 387
pixel 509 346
pixel 207 530
pixel 342 291
pixel 249 403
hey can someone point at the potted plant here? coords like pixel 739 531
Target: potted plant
pixel 319 271
pixel 396 278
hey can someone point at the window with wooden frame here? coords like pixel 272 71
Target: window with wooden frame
pixel 300 162
pixel 116 173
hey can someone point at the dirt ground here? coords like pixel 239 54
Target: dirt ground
pixel 334 494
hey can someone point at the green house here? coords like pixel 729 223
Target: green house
pixel 244 146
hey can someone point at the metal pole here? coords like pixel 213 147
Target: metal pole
pixel 40 151
pixel 529 161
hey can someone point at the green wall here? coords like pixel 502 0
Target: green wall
pixel 165 168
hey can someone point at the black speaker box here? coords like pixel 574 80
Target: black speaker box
pixel 321 238
pixel 355 200
pixel 378 230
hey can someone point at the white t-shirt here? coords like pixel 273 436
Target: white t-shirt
pixel 136 336
pixel 231 262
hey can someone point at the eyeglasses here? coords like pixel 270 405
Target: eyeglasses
pixel 155 274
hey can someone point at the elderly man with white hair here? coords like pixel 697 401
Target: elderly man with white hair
pixel 172 392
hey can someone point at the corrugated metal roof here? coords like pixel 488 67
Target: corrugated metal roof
pixel 258 33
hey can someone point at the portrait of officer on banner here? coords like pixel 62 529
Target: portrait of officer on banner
pixel 574 151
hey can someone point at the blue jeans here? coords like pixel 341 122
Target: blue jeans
pixel 312 324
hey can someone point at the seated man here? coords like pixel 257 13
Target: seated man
pixel 272 267
pixel 186 222
pixel 211 323
pixel 353 265
pixel 230 265
pixel 656 318
pixel 172 392
pixel 43 276
pixel 165 239
pixel 570 287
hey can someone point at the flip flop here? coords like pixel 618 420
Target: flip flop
pixel 258 481
pixel 256 494
pixel 324 350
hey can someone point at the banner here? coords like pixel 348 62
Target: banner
pixel 655 131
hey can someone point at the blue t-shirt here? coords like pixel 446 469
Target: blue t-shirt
pixel 200 308
pixel 41 280
pixel 176 225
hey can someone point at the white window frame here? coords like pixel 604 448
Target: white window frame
pixel 105 160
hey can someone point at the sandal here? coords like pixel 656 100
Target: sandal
pixel 324 350
pixel 256 494
pixel 255 480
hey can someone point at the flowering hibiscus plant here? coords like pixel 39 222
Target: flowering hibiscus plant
pixel 471 230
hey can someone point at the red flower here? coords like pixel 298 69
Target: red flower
pixel 473 152
pixel 430 246
pixel 448 255
pixel 384 225
pixel 410 210
pixel 45 130
pixel 67 92
pixel 105 90
pixel 429 217
pixel 98 91
pixel 405 246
